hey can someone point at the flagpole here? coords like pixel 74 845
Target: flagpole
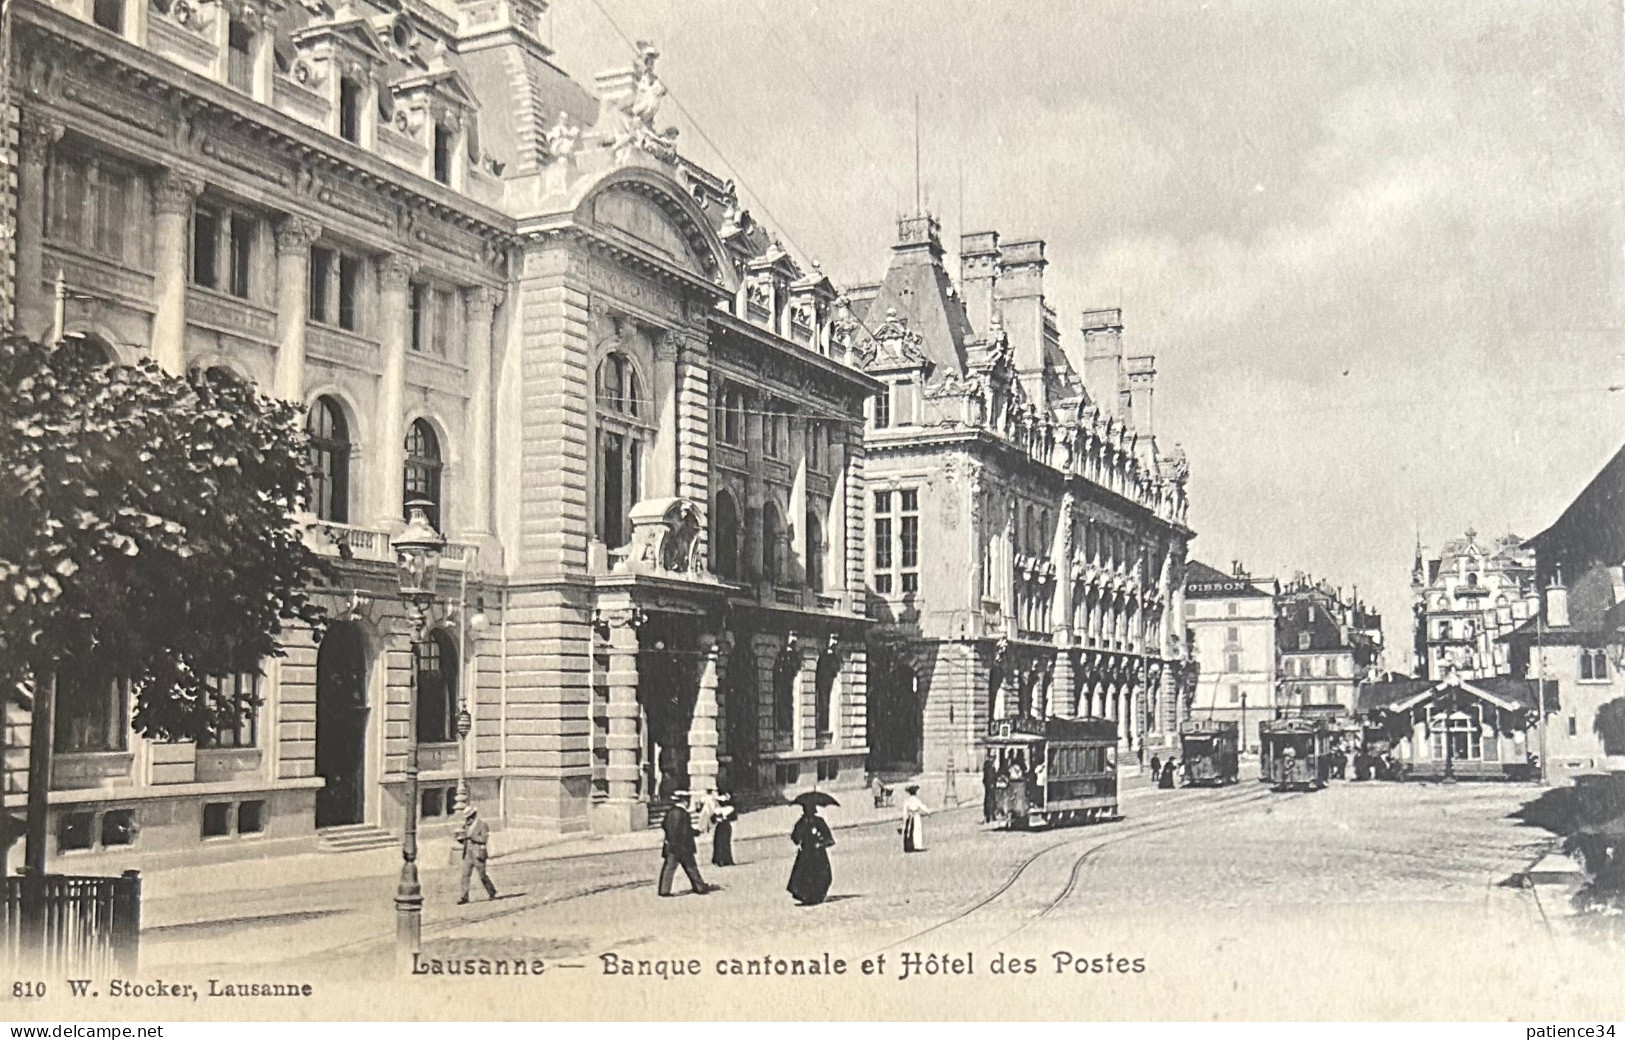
pixel 59 312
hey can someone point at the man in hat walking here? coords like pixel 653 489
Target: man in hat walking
pixel 678 848
pixel 475 837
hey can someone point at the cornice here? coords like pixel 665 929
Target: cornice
pixel 795 353
pixel 197 96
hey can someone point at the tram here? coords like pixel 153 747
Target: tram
pixel 1046 772
pixel 1208 749
pixel 1294 753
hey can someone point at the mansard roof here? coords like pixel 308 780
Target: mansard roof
pixel 918 288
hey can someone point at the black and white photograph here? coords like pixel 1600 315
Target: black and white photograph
pixel 806 510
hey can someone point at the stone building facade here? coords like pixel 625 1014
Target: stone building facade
pixel 1577 642
pixel 1465 600
pixel 1026 536
pixel 1230 620
pixel 507 293
pixel 1327 645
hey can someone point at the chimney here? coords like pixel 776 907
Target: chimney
pixel 1557 603
pixel 1019 291
pixel 978 269
pixel 1103 359
pixel 1235 569
pixel 1142 378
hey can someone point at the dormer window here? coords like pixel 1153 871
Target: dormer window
pixel 350 110
pixel 240 56
pixel 443 148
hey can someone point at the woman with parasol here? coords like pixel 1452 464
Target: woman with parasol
pixel 810 878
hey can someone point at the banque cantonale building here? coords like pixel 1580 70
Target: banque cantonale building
pixel 641 422
pixel 1029 538
pixel 497 288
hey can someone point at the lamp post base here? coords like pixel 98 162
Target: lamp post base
pixel 408 915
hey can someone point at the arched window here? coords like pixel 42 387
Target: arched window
pixel 725 537
pixel 437 689
pixel 815 550
pixel 421 477
pixel 772 536
pixel 829 669
pixel 329 461
pixel 621 435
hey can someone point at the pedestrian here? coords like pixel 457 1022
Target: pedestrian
pixel 914 814
pixel 1156 767
pixel 1166 781
pixel 475 837
pixel 722 835
pixel 678 848
pixel 810 878
pixel 990 788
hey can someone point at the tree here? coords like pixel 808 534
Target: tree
pixel 147 530
pixel 1609 726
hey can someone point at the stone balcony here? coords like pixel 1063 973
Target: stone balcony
pixel 353 542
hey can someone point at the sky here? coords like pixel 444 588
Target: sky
pixel 1375 246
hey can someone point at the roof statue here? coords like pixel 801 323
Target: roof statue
pixel 637 113
pixel 563 138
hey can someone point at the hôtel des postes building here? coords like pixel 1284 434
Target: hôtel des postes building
pixel 507 294
pixel 1027 538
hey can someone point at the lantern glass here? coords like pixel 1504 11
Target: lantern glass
pixel 418 551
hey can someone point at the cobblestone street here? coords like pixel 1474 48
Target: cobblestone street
pixel 1262 893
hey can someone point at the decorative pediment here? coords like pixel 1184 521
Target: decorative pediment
pixel 348 40
pixel 891 346
pixel 643 219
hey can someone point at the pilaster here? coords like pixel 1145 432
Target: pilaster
pixel 619 813
pixel 294 237
pixel 395 273
pixel 37 135
pixel 173 196
pixel 702 729
pixel 481 303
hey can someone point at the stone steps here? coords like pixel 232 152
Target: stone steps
pixel 355 837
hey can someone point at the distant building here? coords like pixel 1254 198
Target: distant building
pixel 1026 535
pixel 1465 600
pixel 1230 625
pixel 1327 644
pixel 1577 641
pixel 1483 728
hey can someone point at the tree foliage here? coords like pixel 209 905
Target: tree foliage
pixel 146 529
pixel 1610 726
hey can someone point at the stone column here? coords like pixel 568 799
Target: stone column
pixel 853 496
pixel 294 237
pixel 702 730
pixel 797 557
pixel 623 742
pixel 36 136
pixel 835 523
pixel 1064 700
pixel 173 195
pixel 481 302
pixel 663 466
pixel 394 280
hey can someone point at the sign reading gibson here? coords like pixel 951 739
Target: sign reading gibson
pixel 1235 587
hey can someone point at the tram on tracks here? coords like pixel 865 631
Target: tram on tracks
pixel 1046 772
pixel 1208 747
pixel 1294 753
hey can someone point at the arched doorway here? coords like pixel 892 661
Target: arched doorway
pixel 341 725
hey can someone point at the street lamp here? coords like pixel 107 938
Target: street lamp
pixel 418 550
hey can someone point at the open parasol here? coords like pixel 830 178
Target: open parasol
pixel 816 799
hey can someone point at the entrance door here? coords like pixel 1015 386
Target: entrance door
pixel 896 721
pixel 341 726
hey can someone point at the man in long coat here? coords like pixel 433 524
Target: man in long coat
pixel 678 850
pixel 475 837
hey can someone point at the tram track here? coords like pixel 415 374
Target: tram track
pixel 1224 805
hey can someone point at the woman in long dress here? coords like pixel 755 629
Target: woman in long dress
pixel 810 878
pixel 722 838
pixel 914 814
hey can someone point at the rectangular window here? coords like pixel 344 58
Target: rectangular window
pixel 216 819
pixel 113 190
pixel 241 242
pixel 908 539
pixel 350 110
pixel 1230 608
pixel 1331 667
pixel 109 14
pixel 883 546
pixel 321 276
pixel 1593 665
pixel 74 831
pixel 206 247
pixel 1235 694
pixel 251 817
pixel 89 203
pixel 417 302
pixel 1232 635
pixel 242 693
pixel 1303 640
pixel 883 409
pixel 118 827
pixel 731 417
pixel 240 56
pixel 442 153
pixel 1232 662
pixel 1574 729
pixel 92 713
pixel 349 292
